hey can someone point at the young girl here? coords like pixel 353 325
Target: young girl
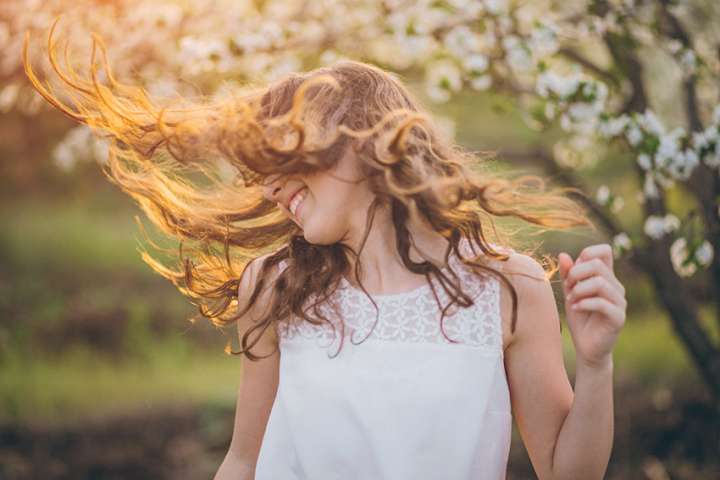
pixel 386 337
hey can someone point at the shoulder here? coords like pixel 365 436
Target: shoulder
pixel 533 292
pixel 251 275
pixel 256 307
pixel 523 269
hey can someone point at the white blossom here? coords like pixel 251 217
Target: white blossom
pixel 602 195
pixel 471 7
pixel 683 164
pixel 100 149
pixel 429 19
pixel 196 48
pixel 634 135
pixel 712 159
pixel 656 226
pixel 679 257
pixel 517 54
pixel 496 7
pixel 644 161
pixel 404 50
pixel 483 82
pixel 562 86
pixel 704 253
pixel 667 150
pixel 650 187
pixel 700 140
pixel 76 146
pixel 328 57
pixel 283 66
pixel 623 240
pixel 461 41
pixel 583 112
pixel 614 126
pixel 621 243
pixel 64 157
pixel 441 79
pixel 475 64
pixel 651 123
pixel 543 40
pixel 671 222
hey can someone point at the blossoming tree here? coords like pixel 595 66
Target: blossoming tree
pixel 601 70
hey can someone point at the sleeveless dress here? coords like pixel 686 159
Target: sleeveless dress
pixel 405 403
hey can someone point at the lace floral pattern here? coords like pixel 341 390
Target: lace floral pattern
pixel 412 316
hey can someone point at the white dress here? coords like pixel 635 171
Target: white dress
pixel 405 403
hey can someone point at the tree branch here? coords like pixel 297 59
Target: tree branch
pixel 589 65
pixel 704 182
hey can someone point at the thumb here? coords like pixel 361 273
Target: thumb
pixel 566 262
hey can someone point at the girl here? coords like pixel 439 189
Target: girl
pixel 386 337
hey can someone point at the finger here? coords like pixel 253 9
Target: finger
pixel 603 251
pixel 596 286
pixel 587 269
pixel 601 305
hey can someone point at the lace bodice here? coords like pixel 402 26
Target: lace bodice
pixel 412 316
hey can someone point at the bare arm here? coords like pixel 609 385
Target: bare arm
pixel 586 438
pixel 256 393
pixel 567 434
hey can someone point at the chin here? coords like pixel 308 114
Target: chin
pixel 319 238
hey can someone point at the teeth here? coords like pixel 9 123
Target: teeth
pixel 297 198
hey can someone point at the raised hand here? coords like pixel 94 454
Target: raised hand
pixel 595 303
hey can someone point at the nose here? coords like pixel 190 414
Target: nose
pixel 272 187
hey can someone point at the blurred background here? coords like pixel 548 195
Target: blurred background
pixel 101 373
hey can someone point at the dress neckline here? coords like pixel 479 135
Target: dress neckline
pixel 384 296
pixel 452 262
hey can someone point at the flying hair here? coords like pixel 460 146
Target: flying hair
pixel 301 123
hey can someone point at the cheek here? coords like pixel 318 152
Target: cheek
pixel 325 218
pixel 335 202
pixel 331 202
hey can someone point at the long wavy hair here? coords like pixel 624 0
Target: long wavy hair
pixel 302 123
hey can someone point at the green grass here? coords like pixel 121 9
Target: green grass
pixel 93 233
pixel 83 383
pixel 71 234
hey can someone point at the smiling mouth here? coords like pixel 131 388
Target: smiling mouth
pixel 297 201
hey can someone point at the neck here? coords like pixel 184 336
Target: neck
pixel 380 262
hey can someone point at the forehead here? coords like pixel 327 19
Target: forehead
pixel 331 160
